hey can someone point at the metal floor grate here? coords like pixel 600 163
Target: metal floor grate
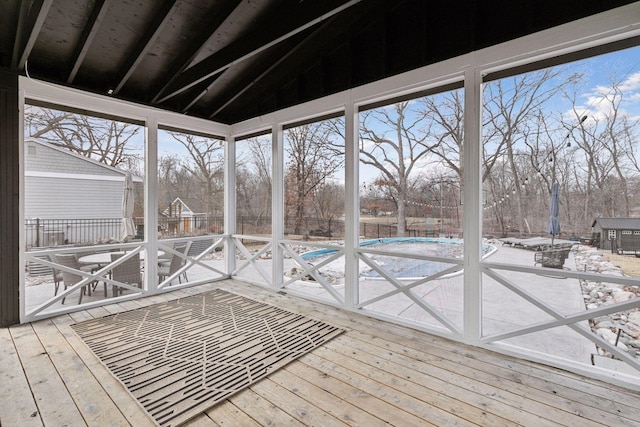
pixel 181 357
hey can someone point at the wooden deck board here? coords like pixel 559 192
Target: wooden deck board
pixel 55 404
pixel 92 400
pixel 314 389
pixel 226 414
pixel 132 411
pixel 497 400
pixel 300 410
pixel 418 398
pixel 18 406
pixel 375 373
pixel 552 389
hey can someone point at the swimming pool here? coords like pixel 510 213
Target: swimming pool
pixel 397 265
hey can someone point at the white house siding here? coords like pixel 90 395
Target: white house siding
pixel 68 198
pixel 61 185
pixel 57 160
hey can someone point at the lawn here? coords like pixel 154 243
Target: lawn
pixel 630 265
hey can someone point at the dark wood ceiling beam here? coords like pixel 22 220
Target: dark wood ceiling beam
pixel 199 91
pixel 30 21
pixel 192 50
pixel 224 101
pixel 153 31
pixel 88 34
pixel 239 51
pixel 240 80
pixel 304 53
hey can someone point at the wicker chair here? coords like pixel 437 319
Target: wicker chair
pixel 175 263
pixel 57 277
pixel 128 272
pixel 70 278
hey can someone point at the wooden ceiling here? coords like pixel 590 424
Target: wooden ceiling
pixel 231 60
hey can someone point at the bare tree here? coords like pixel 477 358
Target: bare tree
pixel 514 107
pixel 395 141
pixel 328 204
pixel 615 130
pixel 253 178
pixel 108 141
pixel 443 118
pixel 205 164
pixel 313 156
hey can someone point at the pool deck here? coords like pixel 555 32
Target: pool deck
pixel 502 310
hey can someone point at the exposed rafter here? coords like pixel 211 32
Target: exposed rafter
pixel 153 31
pixel 187 56
pixel 238 52
pixel 254 80
pixel 32 16
pixel 97 15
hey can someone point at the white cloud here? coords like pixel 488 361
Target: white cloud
pixel 631 83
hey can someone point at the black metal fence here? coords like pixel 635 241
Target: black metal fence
pixel 310 228
pixel 56 232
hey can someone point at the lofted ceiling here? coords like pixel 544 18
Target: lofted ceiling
pixel 231 60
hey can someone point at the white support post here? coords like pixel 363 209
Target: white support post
pixel 230 202
pixel 277 205
pixel 151 203
pixel 351 208
pixel 472 214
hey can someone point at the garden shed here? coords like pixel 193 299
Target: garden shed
pixel 619 234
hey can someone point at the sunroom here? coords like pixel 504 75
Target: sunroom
pixel 370 161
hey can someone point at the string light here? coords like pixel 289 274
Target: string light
pixel 538 172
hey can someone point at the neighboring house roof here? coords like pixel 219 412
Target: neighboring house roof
pixel 178 206
pixel 89 161
pixel 190 206
pixel 197 205
pixel 618 223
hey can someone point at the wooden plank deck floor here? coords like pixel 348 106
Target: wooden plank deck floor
pixel 374 374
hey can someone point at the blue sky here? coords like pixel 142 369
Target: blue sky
pixel 623 66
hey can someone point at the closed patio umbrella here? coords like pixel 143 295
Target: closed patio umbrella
pixel 553 226
pixel 127 227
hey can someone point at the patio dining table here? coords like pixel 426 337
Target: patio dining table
pixel 104 258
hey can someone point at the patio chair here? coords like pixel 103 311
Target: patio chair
pixel 128 272
pixel 70 278
pixel 57 278
pixel 175 263
pixel 184 260
pixel 165 259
